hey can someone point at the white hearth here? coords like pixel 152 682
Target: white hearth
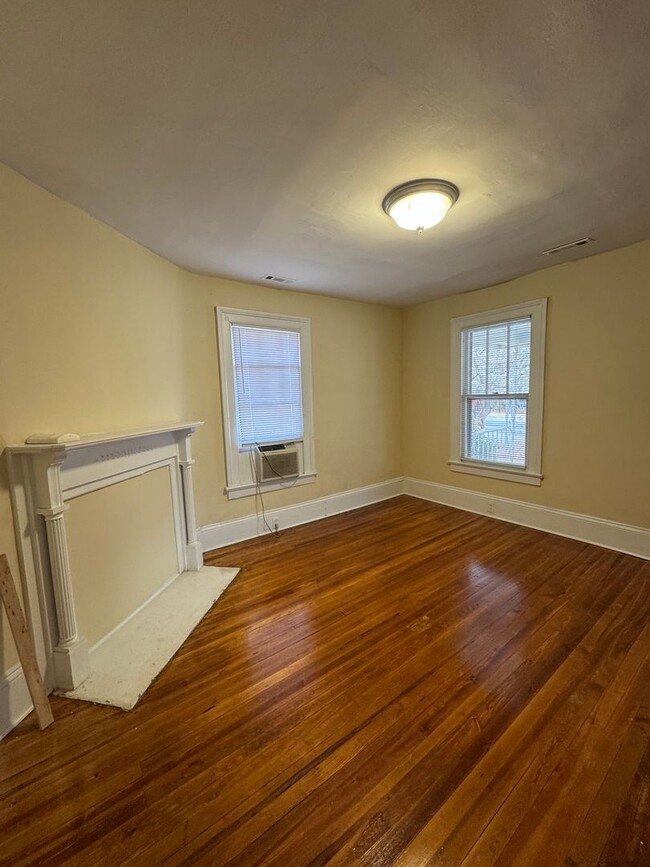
pixel 124 664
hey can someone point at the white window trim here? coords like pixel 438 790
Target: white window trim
pixel 238 482
pixel 532 473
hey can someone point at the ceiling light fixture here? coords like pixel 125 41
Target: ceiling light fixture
pixel 419 205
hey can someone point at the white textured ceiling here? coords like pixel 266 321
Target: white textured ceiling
pixel 242 137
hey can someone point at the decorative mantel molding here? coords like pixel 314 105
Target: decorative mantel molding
pixel 43 478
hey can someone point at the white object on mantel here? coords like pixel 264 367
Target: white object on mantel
pixel 43 477
pixel 52 438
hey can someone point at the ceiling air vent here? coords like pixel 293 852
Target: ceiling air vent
pixel 562 247
pixel 274 278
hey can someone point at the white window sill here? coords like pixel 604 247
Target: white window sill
pixel 524 477
pixel 249 490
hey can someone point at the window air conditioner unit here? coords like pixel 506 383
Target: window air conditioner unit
pixel 276 462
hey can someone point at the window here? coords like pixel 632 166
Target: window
pixel 268 388
pixel 497 392
pixel 265 362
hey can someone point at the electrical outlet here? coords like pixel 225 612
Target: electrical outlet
pixel 490 507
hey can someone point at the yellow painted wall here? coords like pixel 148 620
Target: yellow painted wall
pixel 89 341
pixel 596 441
pixel 357 381
pixel 121 545
pixel 99 334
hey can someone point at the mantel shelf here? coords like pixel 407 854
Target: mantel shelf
pixel 100 438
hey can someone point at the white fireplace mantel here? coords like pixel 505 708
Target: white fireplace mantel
pixel 43 478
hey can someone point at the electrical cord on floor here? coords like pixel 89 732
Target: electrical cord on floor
pixel 258 493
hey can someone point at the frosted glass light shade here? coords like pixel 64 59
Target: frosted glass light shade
pixel 418 211
pixel 419 205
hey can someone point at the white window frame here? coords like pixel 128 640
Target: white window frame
pixel 239 477
pixel 531 474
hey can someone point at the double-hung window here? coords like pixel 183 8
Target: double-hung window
pixel 265 362
pixel 497 392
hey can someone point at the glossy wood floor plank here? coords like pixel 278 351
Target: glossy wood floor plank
pixel 404 684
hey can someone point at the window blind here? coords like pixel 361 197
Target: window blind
pixel 267 380
pixel 495 380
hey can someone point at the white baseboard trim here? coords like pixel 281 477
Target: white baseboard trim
pixel 15 701
pixel 584 528
pixel 608 534
pixel 229 532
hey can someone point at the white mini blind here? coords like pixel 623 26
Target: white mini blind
pixel 268 384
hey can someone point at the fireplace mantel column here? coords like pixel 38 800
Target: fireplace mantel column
pixel 193 550
pixel 71 662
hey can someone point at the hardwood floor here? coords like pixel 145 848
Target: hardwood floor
pixel 405 684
